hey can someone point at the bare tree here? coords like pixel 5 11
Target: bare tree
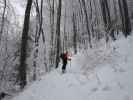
pixel 106 17
pixel 65 34
pixel 87 22
pixel 23 56
pixel 51 4
pixel 3 19
pixel 126 25
pixel 74 20
pixel 58 44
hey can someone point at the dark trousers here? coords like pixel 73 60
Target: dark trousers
pixel 64 66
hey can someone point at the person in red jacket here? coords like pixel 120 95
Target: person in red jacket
pixel 65 57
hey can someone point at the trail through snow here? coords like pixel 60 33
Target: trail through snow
pixel 97 74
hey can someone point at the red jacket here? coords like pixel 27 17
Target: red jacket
pixel 66 56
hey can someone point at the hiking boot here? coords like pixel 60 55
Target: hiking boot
pixel 63 71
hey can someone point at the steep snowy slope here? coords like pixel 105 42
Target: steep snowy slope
pixel 97 74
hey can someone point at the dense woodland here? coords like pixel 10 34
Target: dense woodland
pixel 50 27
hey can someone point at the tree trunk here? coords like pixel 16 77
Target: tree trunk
pixel 87 22
pixel 52 29
pixel 23 65
pixel 74 19
pixel 126 25
pixel 3 19
pixel 58 33
pixel 106 17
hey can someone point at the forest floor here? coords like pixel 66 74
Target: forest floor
pixel 104 73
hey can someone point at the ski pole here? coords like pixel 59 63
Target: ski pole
pixel 70 64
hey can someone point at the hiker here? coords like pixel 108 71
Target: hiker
pixel 64 57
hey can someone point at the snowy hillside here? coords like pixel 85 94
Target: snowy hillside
pixel 97 74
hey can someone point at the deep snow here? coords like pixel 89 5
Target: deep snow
pixel 104 73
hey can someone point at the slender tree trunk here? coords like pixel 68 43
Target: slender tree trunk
pixel 35 64
pixel 126 25
pixel 58 33
pixel 3 19
pixel 87 22
pixel 52 25
pixel 23 65
pixel 106 17
pixel 74 20
pixel 65 36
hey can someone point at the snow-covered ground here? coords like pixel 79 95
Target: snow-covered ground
pixel 98 74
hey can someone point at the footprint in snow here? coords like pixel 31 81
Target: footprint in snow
pixel 94 89
pixel 126 97
pixel 106 88
pixel 120 85
pixel 122 70
pixel 70 85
